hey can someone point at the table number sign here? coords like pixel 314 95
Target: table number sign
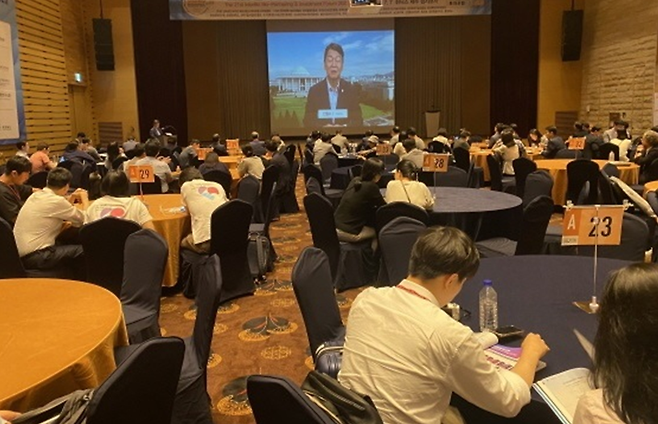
pixel 436 162
pixel 576 143
pixel 141 174
pixel 202 152
pixel 383 149
pixel 232 144
pixel 580 226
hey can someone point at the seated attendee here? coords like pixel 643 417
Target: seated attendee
pixel 23 149
pixel 412 153
pixel 189 154
pixel 257 144
pixel 41 220
pixel 442 137
pixel 341 141
pixel 405 188
pixel 212 163
pixel 498 128
pixel 160 164
pixel 580 129
pixel 507 152
pixel 138 153
pixel 534 137
pixel 218 145
pixel 395 135
pixel 593 143
pixel 625 362
pixel 322 147
pixel 114 152
pixel 13 191
pixel 129 144
pixel 647 153
pixel 73 152
pixel 274 157
pixel 85 146
pixel 411 133
pixel 201 198
pixel 355 214
pixel 117 203
pixel 554 143
pixel 409 356
pixel 367 143
pixel 462 141
pixel 250 164
pixel 281 145
pixel 41 160
pixel 624 144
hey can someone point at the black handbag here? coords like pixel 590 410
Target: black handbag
pixel 69 409
pixel 343 405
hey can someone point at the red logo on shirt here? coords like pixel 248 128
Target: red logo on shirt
pixel 113 212
pixel 208 192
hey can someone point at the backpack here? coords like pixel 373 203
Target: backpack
pixel 259 255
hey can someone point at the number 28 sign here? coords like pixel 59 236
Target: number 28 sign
pixel 580 226
pixel 435 162
pixel 141 174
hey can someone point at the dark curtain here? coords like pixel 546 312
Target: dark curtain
pixel 515 63
pixel 428 71
pixel 242 74
pixel 159 67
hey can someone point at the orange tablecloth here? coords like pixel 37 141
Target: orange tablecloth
pixel 479 157
pixel 558 170
pixel 56 336
pixel 649 187
pixel 172 224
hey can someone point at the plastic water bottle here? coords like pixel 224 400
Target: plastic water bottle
pixel 611 157
pixel 488 307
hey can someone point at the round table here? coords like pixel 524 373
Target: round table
pixel 56 336
pixel 340 180
pixel 173 224
pixel 536 293
pixel 479 158
pixel 349 160
pixel 558 169
pixel 480 213
pixel 649 187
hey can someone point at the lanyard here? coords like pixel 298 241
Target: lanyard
pixel 14 191
pixel 413 292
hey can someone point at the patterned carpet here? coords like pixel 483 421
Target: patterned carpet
pixel 260 334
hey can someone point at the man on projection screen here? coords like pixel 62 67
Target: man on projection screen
pixel 333 101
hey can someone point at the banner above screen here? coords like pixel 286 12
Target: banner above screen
pixel 320 9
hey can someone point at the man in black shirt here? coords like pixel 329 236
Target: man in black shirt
pixel 13 192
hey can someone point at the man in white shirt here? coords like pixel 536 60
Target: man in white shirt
pixel 413 153
pixel 23 149
pixel 322 147
pixel 341 141
pixel 41 220
pixel 201 199
pixel 411 133
pixel 160 165
pixel 409 356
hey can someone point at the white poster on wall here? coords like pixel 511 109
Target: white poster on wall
pixel 9 128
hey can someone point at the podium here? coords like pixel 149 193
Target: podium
pixel 432 121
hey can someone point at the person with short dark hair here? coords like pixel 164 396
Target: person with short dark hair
pixel 341 141
pixel 624 143
pixel 257 144
pixel 13 190
pixel 534 137
pixel 593 143
pixel 555 143
pixel 155 131
pixel 41 220
pixel 250 164
pixel 405 188
pixel 41 160
pixel 498 128
pixel 218 145
pixel 625 362
pixel 411 133
pixel 160 164
pixel 322 148
pixel 647 154
pixel 284 183
pixel 333 101
pixel 73 152
pixel 23 149
pixel 85 146
pixel 189 154
pixel 212 163
pixel 409 356
pixel 395 135
pixel 617 126
pixel 507 151
pixel 117 203
pixel 355 214
pixel 413 153
pixel 201 198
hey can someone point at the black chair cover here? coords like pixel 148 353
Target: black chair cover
pixel 462 158
pixel 229 227
pixel 538 183
pixel 606 148
pixel 116 163
pixel 249 191
pixel 522 168
pixel 277 400
pixel 611 170
pixel 495 173
pixel 634 236
pixel 10 263
pixel 454 177
pixel 566 154
pixel 270 177
pixel 313 186
pixel 580 172
pixel 148 188
pixel 333 195
pixel 606 191
pixel 328 163
pixel 289 197
pixel 103 242
pixel 145 257
pixel 142 389
pixel 289 153
pixel 222 178
pixel 396 239
pixel 38 180
pixel 390 211
pixel 354 171
pixel 314 290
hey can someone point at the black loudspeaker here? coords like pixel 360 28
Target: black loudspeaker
pixel 572 34
pixel 103 44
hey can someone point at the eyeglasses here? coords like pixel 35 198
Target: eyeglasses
pixel 337 60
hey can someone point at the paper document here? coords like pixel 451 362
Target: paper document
pixel 563 391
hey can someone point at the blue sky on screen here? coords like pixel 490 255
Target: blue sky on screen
pixel 366 52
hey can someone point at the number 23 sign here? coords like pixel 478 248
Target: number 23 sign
pixel 141 174
pixel 580 226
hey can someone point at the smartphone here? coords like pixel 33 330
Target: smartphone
pixel 508 331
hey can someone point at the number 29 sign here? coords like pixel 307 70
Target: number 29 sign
pixel 141 174
pixel 591 225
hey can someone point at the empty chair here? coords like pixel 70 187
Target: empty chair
pixel 396 239
pixel 606 190
pixel 522 168
pixel 536 216
pixel 249 191
pixel 538 183
pixel 103 242
pixel 454 177
pixel 145 257
pixel 148 188
pixel 611 170
pixel 314 291
pixel 289 153
pixel 116 163
pixel 354 171
pixel 332 194
pixel 634 241
pixel 351 263
pixel 37 180
pixel 498 183
pixel 607 148
pixel 328 163
pixel 582 178
pixel 143 387
pixel 288 201
pixel 222 178
pixel 276 400
pixel 313 186
pixel 390 160
pixel 390 211
pixel 229 227
pixel 462 158
pixel 566 154
pixel 270 177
